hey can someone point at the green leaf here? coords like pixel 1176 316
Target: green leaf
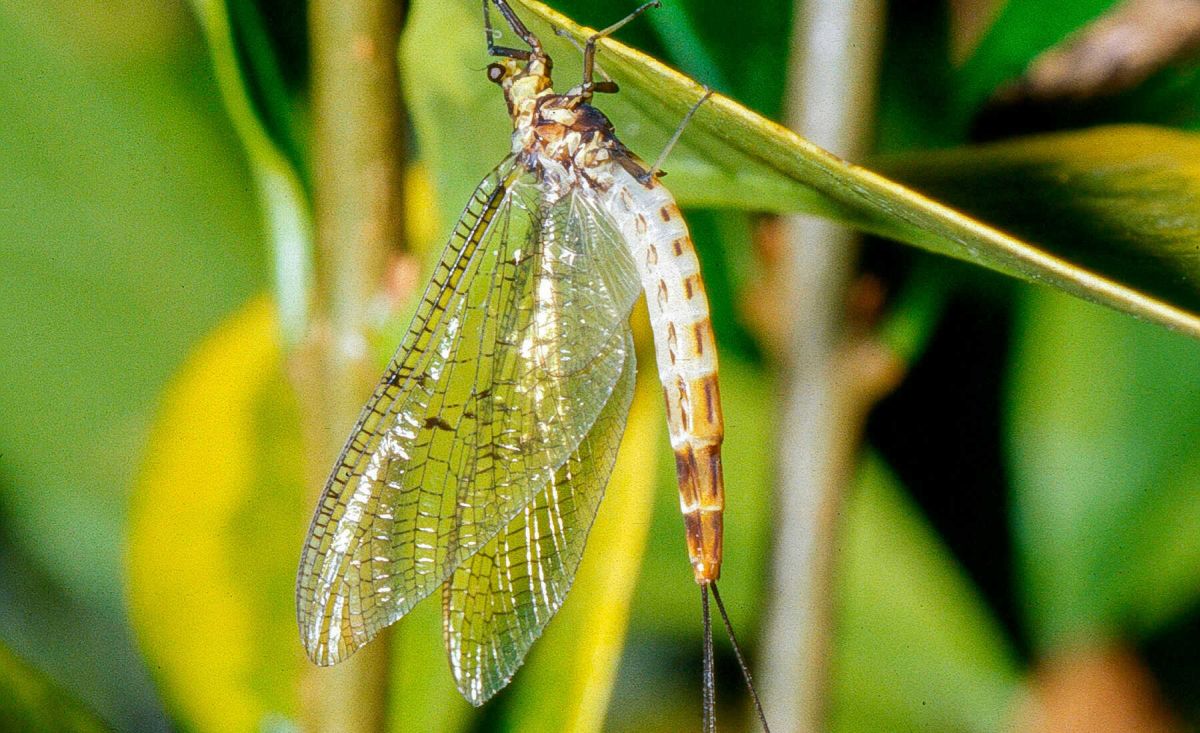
pixel 1120 203
pixel 731 157
pixel 29 702
pixel 451 102
pixel 125 237
pixel 916 80
pixel 282 199
pixel 423 696
pixel 215 528
pixel 915 310
pixel 1105 428
pixel 1023 30
pixel 91 654
pixel 694 35
pixel 933 84
pixel 916 648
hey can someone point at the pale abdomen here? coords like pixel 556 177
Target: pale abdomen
pixel 686 352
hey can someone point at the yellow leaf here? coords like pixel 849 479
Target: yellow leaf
pixel 215 528
pixel 572 669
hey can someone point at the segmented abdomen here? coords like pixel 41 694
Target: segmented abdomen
pixel 658 238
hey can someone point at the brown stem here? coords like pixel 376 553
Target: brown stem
pixel 836 44
pixel 358 163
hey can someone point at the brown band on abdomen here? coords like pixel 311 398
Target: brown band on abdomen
pixel 703 530
pixel 702 499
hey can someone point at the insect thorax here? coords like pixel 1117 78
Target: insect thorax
pixel 568 144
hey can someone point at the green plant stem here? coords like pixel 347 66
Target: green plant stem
pixel 357 168
pixel 831 85
pixel 281 194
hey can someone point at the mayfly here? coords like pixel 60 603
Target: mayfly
pixel 478 464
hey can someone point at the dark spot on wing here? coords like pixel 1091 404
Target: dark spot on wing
pixel 437 422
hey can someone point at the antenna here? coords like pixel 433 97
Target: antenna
pixel 737 651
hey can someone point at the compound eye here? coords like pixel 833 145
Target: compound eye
pixel 495 73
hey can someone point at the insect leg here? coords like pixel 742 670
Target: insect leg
pixel 589 50
pixel 605 85
pixel 518 27
pixel 654 169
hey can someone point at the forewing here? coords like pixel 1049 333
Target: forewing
pixel 498 601
pixel 494 386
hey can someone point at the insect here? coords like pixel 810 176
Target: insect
pixel 477 466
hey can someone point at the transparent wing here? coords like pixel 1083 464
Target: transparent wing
pixel 507 363
pixel 497 602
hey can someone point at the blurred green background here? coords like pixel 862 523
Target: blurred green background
pixel 1021 533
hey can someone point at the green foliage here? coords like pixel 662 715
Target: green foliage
pixel 251 88
pixel 916 648
pixel 1022 30
pixel 732 157
pixel 31 703
pixel 131 233
pixel 217 622
pixel 87 190
pixel 1105 435
pixel 126 237
pixel 1119 203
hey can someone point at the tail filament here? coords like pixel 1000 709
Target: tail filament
pixel 710 684
pixel 737 651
